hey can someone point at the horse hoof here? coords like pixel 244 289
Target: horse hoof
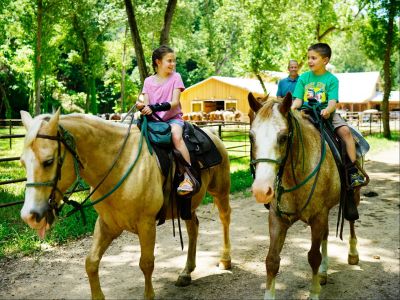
pixel 183 280
pixel 352 259
pixel 323 278
pixel 225 264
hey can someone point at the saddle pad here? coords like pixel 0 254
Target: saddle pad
pixel 200 146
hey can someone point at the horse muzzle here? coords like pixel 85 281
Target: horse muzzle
pixel 262 192
pixel 39 219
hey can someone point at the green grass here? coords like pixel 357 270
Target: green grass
pixel 378 143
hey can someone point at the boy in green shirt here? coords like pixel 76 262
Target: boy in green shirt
pixel 319 85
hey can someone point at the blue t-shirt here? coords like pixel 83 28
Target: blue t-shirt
pixel 286 85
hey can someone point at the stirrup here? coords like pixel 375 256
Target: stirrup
pixel 185 187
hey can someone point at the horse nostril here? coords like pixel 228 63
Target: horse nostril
pixel 269 192
pixel 37 216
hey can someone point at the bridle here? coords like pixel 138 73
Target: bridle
pixel 281 162
pixel 65 138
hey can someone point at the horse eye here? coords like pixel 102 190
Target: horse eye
pixel 48 162
pixel 282 139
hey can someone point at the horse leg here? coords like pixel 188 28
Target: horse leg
pixel 277 235
pixel 192 227
pixel 323 268
pixel 225 217
pixel 319 227
pixel 147 239
pixel 352 258
pixel 102 238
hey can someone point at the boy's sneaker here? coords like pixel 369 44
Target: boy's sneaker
pixel 356 179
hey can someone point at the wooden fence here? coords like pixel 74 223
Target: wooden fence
pixel 233 134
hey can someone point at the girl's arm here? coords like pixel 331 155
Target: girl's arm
pixel 175 102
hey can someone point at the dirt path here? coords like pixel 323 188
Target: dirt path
pixel 58 273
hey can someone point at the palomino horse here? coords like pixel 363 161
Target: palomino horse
pixel 132 207
pixel 286 179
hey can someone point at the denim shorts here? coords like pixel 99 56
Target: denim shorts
pixel 175 121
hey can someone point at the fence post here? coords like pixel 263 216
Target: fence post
pixel 370 124
pixel 10 133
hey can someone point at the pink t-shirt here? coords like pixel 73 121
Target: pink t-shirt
pixel 160 93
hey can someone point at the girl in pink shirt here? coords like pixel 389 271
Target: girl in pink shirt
pixel 161 96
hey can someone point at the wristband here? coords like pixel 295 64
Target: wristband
pixel 160 106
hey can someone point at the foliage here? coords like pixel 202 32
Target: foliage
pixel 82 44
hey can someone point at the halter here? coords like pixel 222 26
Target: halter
pixel 281 162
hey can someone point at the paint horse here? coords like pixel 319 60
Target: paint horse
pixel 52 165
pixel 294 178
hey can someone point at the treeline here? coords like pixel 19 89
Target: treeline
pixel 92 55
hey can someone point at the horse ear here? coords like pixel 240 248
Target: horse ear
pixel 53 122
pixel 254 104
pixel 286 103
pixel 26 119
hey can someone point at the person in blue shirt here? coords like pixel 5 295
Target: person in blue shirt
pixel 289 83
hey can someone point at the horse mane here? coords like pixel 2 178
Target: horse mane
pixel 70 118
pixel 34 129
pixel 266 110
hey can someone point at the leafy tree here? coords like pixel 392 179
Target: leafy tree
pixel 381 40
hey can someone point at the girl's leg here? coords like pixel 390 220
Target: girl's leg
pixel 186 186
pixel 178 142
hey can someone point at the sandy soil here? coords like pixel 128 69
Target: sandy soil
pixel 58 273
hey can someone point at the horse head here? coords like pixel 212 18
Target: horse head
pixel 269 134
pixel 43 157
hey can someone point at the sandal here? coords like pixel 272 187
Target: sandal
pixel 185 187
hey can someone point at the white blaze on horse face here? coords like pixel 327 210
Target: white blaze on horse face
pixel 266 132
pixel 35 200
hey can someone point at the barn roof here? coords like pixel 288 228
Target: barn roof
pixel 394 97
pixel 251 85
pixel 357 87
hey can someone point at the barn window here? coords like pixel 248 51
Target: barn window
pixel 230 105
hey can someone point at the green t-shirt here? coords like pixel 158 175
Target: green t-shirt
pixel 322 88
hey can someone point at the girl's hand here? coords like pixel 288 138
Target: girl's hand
pixel 325 113
pixel 139 105
pixel 146 110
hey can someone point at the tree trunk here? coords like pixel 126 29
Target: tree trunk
pixel 387 76
pixel 136 40
pixel 38 55
pixel 169 13
pixel 262 84
pixel 123 72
